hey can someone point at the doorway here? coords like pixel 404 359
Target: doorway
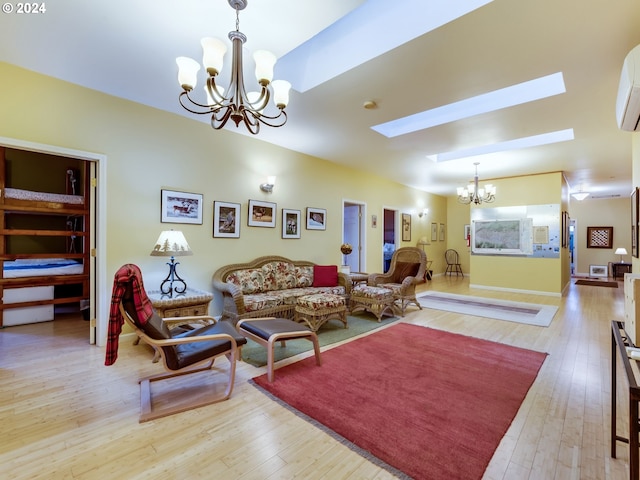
pixel 573 253
pixel 389 239
pixel 96 164
pixel 353 228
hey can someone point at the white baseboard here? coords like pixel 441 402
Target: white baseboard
pixel 516 290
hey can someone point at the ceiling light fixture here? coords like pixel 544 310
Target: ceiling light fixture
pixel 473 194
pixel 580 194
pixel 238 104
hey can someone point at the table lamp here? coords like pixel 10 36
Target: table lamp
pixel 620 251
pixel 172 243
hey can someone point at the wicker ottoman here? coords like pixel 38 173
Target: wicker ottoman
pixel 317 309
pixel 376 300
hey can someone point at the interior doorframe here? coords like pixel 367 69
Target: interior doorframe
pixel 362 253
pixel 98 241
pixel 397 227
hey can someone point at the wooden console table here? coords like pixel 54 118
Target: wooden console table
pixel 619 269
pixel 619 344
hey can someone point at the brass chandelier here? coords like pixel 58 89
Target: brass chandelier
pixel 473 194
pixel 238 104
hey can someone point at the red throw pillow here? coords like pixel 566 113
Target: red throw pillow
pixel 325 275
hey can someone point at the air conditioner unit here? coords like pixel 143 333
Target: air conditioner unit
pixel 628 103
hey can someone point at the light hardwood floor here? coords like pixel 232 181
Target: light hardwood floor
pixel 64 415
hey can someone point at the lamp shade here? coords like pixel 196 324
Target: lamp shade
pixel 187 72
pixel 580 195
pixel 171 243
pixel 213 50
pixel 423 241
pixel 281 93
pixel 620 251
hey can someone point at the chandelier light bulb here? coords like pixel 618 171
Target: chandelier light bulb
pixel 213 50
pixel 265 61
pixel 188 70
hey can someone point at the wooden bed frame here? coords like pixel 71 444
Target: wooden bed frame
pixel 12 206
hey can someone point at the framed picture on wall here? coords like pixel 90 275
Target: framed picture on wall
pixel 226 219
pixel 442 230
pixel 599 237
pixel 262 214
pixel 316 218
pixel 434 232
pixel 290 223
pixel 180 207
pixel 406 227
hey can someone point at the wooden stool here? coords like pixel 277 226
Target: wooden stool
pixel 268 331
pixel 317 309
pixel 376 300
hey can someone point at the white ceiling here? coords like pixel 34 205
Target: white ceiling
pixel 127 48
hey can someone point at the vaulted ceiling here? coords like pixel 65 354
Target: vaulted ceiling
pixel 127 48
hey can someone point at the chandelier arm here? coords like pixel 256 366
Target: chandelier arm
pixel 212 88
pixel 219 122
pixel 265 119
pixel 208 108
pixel 253 127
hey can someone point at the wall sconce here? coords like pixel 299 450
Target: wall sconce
pixel 268 186
pixel 423 212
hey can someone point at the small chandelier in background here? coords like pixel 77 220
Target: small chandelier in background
pixel 580 194
pixel 238 104
pixel 473 194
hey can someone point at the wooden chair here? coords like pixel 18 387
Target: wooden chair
pixel 187 352
pixel 453 264
pixel 407 268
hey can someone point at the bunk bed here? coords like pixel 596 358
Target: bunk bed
pixel 43 246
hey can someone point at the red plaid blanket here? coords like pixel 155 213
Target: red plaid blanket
pixel 128 274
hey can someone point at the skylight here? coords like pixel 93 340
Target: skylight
pixel 525 142
pixel 537 89
pixel 370 30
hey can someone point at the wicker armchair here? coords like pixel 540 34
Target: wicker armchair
pixel 407 268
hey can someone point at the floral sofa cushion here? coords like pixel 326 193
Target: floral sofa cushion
pixel 271 277
pixel 261 301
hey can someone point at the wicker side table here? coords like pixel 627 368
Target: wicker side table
pixel 191 303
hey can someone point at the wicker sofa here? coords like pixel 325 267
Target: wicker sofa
pixel 269 286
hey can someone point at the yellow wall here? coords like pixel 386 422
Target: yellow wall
pixel 541 275
pixel 148 150
pixel 616 213
pixel 458 215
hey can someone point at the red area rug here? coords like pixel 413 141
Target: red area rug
pixel 422 403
